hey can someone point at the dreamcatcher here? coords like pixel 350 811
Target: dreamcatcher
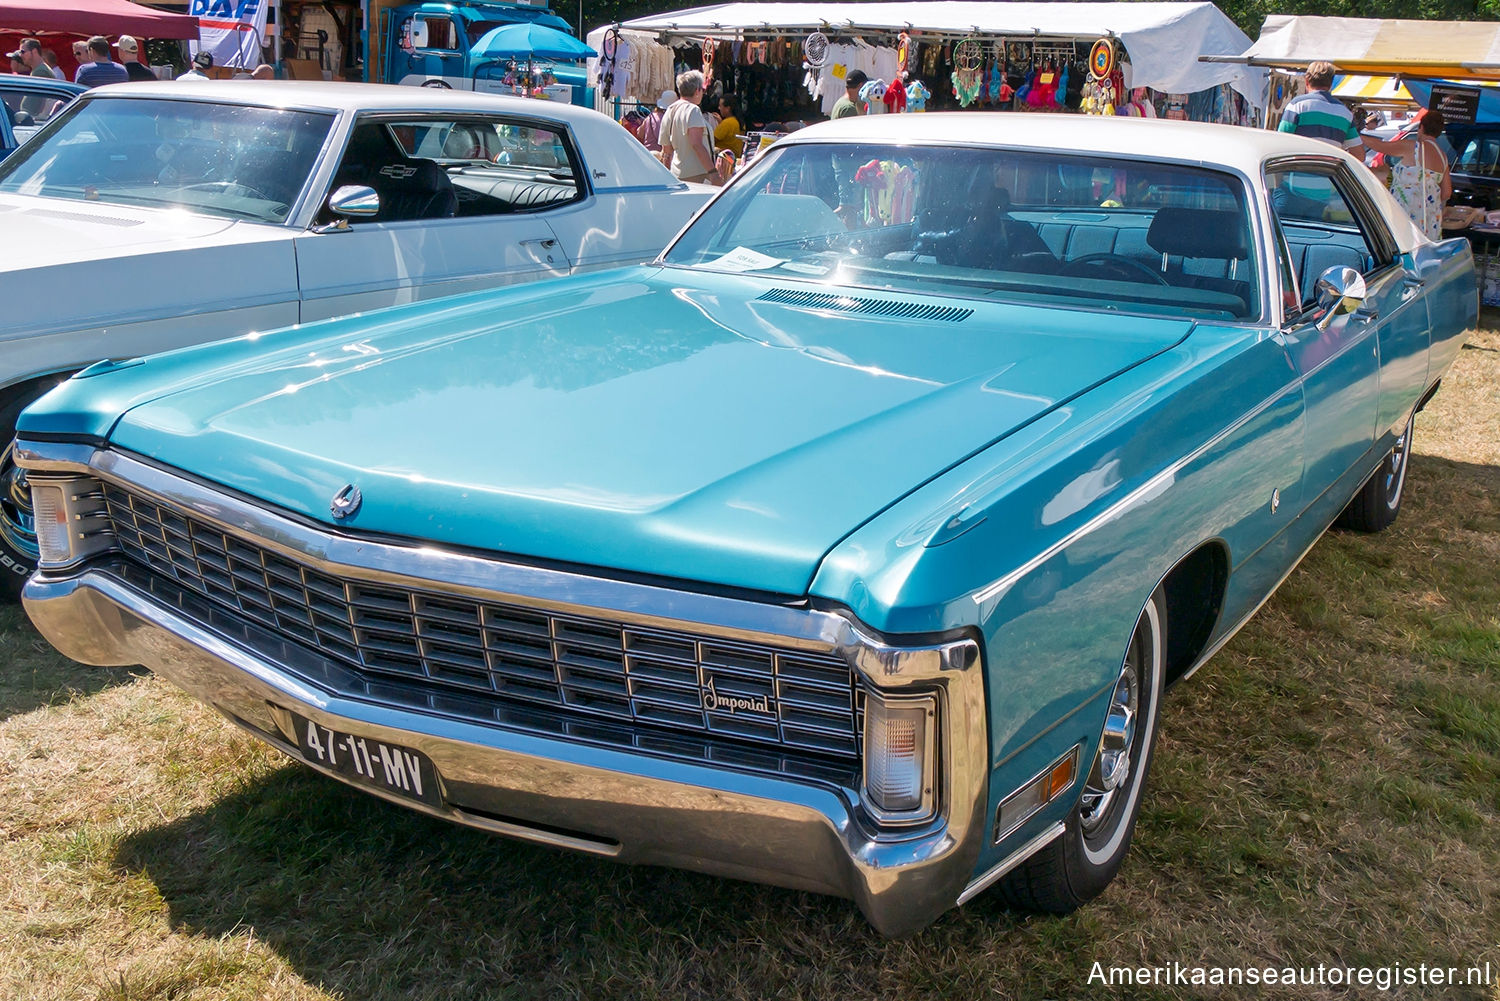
pixel 968 71
pixel 611 48
pixel 1102 90
pixel 815 49
pixel 710 45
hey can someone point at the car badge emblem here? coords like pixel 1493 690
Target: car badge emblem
pixel 346 502
pixel 714 702
pixel 397 172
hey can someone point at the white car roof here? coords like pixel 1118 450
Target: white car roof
pixel 342 97
pixel 1232 146
pixel 614 157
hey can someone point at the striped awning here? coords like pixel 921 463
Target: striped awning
pixel 1372 90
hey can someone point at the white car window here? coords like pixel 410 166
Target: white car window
pixel 217 159
pixel 433 168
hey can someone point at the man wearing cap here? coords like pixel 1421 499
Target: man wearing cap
pixel 202 61
pixel 30 53
pixel 129 50
pixel 848 105
pixel 651 128
pixel 103 69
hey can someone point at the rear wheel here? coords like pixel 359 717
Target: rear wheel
pixel 1378 502
pixel 1076 867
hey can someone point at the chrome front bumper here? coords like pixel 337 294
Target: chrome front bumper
pixel 618 803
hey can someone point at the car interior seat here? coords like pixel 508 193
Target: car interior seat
pixel 1202 248
pixel 409 187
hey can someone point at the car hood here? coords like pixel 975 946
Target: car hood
pixel 41 232
pixel 68 265
pixel 665 422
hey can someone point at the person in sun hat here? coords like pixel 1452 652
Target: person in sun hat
pixel 203 61
pixel 130 50
pixel 650 131
pixel 848 106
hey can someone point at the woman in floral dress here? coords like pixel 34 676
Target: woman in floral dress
pixel 1420 181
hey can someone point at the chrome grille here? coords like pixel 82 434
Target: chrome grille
pixel 577 664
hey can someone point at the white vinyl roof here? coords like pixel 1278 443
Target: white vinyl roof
pixel 1164 40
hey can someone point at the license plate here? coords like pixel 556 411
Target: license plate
pixel 390 768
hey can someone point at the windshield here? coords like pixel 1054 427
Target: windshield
pixel 1104 233
pixel 218 159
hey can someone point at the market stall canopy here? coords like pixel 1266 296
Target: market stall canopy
pixel 94 17
pixel 1458 50
pixel 529 41
pixel 1163 40
pixel 1372 91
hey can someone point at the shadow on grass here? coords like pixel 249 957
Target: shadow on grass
pixel 33 675
pixel 371 901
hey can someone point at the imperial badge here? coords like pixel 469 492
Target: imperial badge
pixel 346 502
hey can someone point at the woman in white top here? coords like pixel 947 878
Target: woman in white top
pixel 1420 181
pixel 685 146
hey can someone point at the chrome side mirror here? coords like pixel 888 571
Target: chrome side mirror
pixel 354 201
pixel 1338 291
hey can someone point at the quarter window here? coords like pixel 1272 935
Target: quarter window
pixel 1322 227
pixel 434 168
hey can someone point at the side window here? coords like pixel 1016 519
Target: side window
pixel 478 165
pixel 30 109
pixel 1321 227
pixel 434 33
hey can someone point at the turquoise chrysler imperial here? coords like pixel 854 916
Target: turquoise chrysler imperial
pixel 849 546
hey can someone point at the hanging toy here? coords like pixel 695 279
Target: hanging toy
pixel 1059 97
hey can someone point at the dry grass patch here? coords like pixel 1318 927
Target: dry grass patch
pixel 1327 791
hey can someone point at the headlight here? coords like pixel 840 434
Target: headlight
pixel 71 521
pixel 899 757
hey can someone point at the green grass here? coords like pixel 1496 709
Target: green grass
pixel 1327 790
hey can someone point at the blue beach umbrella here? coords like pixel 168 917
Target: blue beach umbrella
pixel 530 41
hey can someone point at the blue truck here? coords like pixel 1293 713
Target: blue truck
pixel 432 45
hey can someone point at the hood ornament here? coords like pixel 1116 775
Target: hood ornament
pixel 345 503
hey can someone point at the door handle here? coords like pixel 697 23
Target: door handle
pixel 546 243
pixel 1366 314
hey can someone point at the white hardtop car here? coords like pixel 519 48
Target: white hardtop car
pixel 152 216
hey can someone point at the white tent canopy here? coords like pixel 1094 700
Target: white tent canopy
pixel 1455 50
pixel 1163 40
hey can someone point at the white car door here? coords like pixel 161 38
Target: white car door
pixel 465 203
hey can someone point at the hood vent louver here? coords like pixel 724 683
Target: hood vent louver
pixel 106 220
pixel 891 308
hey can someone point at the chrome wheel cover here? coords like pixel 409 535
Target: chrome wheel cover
pixel 1393 470
pixel 1118 748
pixel 17 525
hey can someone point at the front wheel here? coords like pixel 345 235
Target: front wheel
pixel 18 552
pixel 1077 866
pixel 1378 502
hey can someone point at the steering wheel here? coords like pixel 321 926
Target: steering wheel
pixel 232 189
pixel 1127 268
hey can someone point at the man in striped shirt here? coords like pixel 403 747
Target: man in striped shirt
pixel 1320 115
